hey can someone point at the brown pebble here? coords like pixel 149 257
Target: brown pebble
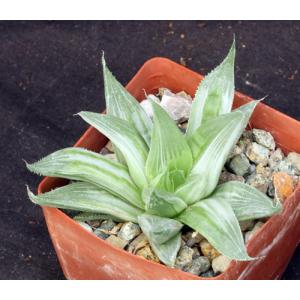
pixel 109 147
pixel 117 242
pixel 147 253
pixel 139 242
pixel 283 184
pixel 208 250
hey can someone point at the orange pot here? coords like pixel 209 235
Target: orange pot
pixel 82 255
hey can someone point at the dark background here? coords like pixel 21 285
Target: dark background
pixel 51 70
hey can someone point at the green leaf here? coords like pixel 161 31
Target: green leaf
pixel 215 93
pixel 164 236
pixel 216 221
pixel 158 229
pixel 208 131
pixel 127 140
pixel 167 252
pixel 120 103
pixel 247 202
pixel 169 149
pixel 211 152
pixel 162 203
pixel 88 216
pixel 83 196
pixel 83 165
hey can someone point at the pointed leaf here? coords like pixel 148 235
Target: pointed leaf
pixel 83 196
pixel 169 149
pixel 127 140
pixel 213 153
pixel 167 252
pixel 162 203
pixel 247 202
pixel 88 166
pixel 209 130
pixel 159 229
pixel 120 103
pixel 164 236
pixel 215 93
pixel 216 221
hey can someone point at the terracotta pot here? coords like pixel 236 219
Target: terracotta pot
pixel 82 255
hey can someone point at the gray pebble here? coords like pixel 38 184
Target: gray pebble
pixel 209 274
pixel 257 153
pixel 178 107
pixel 196 252
pixel 227 176
pixel 184 257
pixel 271 190
pixel 198 265
pixel 100 234
pixel 264 138
pixel 275 157
pixel 129 231
pixel 239 164
pixel 246 225
pixel 249 234
pixel 286 166
pixel 259 181
pixel 236 150
pixel 107 225
pixel 193 238
pixel 294 159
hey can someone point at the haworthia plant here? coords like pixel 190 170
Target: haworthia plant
pixel 164 178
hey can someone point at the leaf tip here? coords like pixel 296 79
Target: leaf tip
pixel 103 59
pixel 31 196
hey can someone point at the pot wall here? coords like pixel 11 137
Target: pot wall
pixel 84 256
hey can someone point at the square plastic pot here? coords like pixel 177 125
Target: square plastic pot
pixel 82 255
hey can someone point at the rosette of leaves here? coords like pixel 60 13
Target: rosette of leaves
pixel 163 178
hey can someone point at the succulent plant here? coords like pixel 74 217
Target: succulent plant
pixel 163 178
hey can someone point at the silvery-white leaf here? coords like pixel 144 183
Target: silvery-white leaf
pixel 214 95
pixel 169 149
pixel 247 202
pixel 126 138
pixel 216 221
pixel 88 166
pixel 159 229
pixel 82 196
pixel 120 103
pixel 164 236
pixel 162 203
pixel 213 150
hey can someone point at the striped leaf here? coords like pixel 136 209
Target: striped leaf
pixel 169 149
pixel 88 216
pixel 209 130
pixel 162 203
pixel 120 103
pixel 213 153
pixel 216 221
pixel 84 196
pixel 247 202
pixel 215 93
pixel 88 166
pixel 127 140
pixel 163 235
